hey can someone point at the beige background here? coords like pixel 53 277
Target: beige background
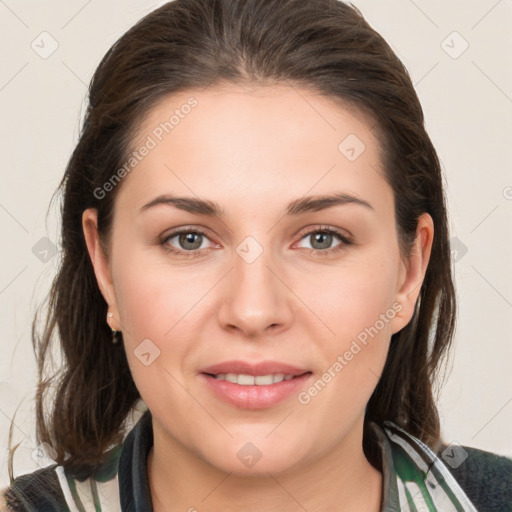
pixel 467 97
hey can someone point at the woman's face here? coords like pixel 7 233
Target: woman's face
pixel 250 289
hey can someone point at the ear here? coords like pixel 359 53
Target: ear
pixel 412 272
pixel 101 264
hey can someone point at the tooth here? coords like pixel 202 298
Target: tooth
pixel 264 380
pixel 245 380
pixel 249 380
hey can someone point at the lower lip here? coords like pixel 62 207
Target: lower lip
pixel 255 397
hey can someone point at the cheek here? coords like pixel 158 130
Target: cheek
pixel 154 306
pixel 161 307
pixel 359 309
pixel 154 298
pixel 358 294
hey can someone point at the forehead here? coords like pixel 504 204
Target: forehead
pixel 252 143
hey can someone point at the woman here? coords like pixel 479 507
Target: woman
pixel 287 356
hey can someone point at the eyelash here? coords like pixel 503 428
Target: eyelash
pixel 198 252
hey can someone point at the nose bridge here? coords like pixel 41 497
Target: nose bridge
pixel 252 275
pixel 256 297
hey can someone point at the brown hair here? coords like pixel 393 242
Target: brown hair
pixel 325 46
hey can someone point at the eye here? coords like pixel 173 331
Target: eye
pixel 191 242
pixel 190 239
pixel 321 240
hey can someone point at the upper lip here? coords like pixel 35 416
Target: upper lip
pixel 254 369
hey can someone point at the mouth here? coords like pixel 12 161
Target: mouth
pixel 250 369
pixel 254 386
pixel 254 380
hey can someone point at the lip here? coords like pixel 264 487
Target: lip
pixel 254 369
pixel 255 397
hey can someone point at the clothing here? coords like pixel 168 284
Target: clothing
pixel 457 479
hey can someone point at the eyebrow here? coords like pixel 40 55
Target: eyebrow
pixel 296 207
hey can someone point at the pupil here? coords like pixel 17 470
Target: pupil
pixel 189 238
pixel 327 238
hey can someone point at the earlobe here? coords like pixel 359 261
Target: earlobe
pixel 413 272
pixel 100 263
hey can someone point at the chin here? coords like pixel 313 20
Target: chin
pixel 259 469
pixel 255 458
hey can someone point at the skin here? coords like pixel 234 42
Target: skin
pixel 254 151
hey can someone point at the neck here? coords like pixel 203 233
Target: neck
pixel 342 479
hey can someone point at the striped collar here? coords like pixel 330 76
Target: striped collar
pixel 415 479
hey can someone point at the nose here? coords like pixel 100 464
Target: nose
pixel 256 300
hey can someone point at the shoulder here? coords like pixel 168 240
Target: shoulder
pixel 485 477
pixel 55 489
pixel 3 502
pixel 40 488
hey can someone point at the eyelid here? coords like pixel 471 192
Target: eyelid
pixel 345 238
pixel 163 241
pixel 186 229
pixel 314 228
